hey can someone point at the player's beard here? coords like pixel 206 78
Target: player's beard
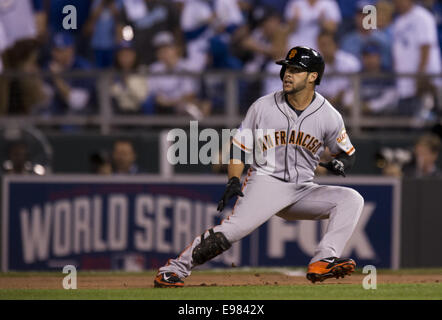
pixel 299 87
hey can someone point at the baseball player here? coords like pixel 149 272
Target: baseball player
pixel 294 126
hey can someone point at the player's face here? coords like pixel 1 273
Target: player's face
pixel 294 80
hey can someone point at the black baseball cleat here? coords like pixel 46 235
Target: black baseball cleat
pixel 168 280
pixel 332 267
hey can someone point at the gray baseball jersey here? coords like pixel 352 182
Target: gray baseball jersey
pixel 291 144
pixel 282 185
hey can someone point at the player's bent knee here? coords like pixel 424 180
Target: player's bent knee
pixel 210 247
pixel 357 199
pixel 351 197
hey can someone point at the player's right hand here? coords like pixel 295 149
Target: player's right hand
pixel 233 188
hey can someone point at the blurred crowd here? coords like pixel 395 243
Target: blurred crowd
pixel 155 37
pixel 121 158
pixel 419 160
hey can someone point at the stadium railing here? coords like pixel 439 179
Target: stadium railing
pixel 233 92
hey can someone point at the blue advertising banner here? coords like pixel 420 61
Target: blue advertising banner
pixel 139 223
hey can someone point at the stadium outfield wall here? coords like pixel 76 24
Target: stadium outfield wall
pixel 137 223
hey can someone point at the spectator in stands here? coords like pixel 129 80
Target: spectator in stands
pixel 354 41
pixel 415 50
pixel 260 48
pixel 378 94
pixel 308 17
pixel 279 49
pixel 129 90
pixel 227 29
pixel 17 20
pixel 41 20
pixel 337 89
pixel 147 18
pixel 228 15
pixel 426 152
pixel 435 7
pixel 17 161
pixel 267 41
pixel 174 93
pixel 124 158
pixel 26 92
pixel 100 163
pixel 348 9
pixel 101 25
pixel 384 11
pixel 71 95
pixel 227 22
pixel 197 17
pixel 208 29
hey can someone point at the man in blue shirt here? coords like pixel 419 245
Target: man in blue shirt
pixel 378 94
pixel 71 94
pixel 102 27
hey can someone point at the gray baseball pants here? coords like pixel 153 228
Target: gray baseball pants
pixel 265 196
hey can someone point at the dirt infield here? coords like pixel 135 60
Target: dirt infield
pixel 122 281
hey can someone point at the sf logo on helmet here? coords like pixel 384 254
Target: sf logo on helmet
pixel 292 53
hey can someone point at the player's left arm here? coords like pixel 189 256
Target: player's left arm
pixel 343 152
pixel 340 164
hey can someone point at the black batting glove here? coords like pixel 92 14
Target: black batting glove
pixel 233 188
pixel 335 166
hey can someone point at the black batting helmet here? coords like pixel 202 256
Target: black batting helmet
pixel 305 58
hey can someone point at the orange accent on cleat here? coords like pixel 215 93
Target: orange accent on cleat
pixel 330 268
pixel 168 280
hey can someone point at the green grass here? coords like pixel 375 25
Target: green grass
pixel 318 291
pixel 310 292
